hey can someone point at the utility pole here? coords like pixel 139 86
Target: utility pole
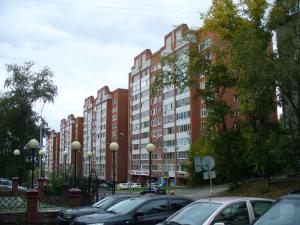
pixel 41 138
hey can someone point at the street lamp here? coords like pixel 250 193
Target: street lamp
pixel 41 154
pixel 89 155
pixel 17 153
pixel 33 145
pixel 75 146
pixel 114 147
pixel 65 153
pixel 150 148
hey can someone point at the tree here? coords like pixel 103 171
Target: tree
pixel 19 123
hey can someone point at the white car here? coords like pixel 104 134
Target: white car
pixel 135 185
pixel 122 186
pixel 221 211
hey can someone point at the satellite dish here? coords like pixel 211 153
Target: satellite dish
pixel 208 163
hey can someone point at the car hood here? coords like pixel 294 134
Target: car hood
pixel 98 218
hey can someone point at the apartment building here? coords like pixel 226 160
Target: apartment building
pixel 52 150
pixel 105 120
pixel 171 120
pixel 71 129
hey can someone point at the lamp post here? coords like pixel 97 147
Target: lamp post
pixel 33 145
pixel 41 134
pixel 41 154
pixel 17 153
pixel 89 155
pixel 150 148
pixel 114 147
pixel 65 153
pixel 75 146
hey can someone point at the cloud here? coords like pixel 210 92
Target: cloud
pixel 87 43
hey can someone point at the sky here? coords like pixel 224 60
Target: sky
pixel 86 43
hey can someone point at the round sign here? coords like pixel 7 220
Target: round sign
pixel 208 163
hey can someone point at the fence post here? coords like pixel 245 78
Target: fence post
pixel 74 197
pixel 41 186
pixel 32 206
pixel 15 184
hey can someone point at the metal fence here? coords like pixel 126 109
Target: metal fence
pixel 52 201
pixel 12 202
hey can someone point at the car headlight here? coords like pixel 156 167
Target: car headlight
pixel 68 216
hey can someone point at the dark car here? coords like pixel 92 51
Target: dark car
pixel 153 190
pixel 67 215
pixel 143 210
pixel 286 211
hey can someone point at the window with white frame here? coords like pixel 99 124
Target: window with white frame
pixel 203 113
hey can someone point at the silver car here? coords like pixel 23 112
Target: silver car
pixel 220 211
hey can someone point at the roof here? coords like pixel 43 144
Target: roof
pixel 223 200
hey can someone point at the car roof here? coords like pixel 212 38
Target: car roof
pixel 163 197
pixel 291 196
pixel 223 200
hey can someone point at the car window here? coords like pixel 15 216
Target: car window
pixel 176 204
pixel 259 207
pixel 194 214
pixel 155 206
pixel 127 205
pixel 235 214
pixel 105 203
pixel 284 212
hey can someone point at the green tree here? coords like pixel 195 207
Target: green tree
pixel 18 122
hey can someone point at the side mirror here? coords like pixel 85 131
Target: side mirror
pixel 219 224
pixel 137 214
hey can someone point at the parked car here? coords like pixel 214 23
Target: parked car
pixel 221 211
pixel 153 190
pixel 286 211
pixel 122 186
pixel 67 215
pixel 6 185
pixel 135 185
pixel 144 210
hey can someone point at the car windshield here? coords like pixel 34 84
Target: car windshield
pixel 105 203
pixel 126 206
pixel 194 214
pixel 284 212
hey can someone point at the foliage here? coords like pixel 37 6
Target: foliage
pixel 244 61
pixel 19 123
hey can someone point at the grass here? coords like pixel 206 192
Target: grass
pixel 258 188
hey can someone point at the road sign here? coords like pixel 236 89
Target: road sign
pixel 208 163
pixel 198 164
pixel 209 175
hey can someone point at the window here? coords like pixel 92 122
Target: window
pixel 145 135
pixel 203 113
pixel 156 133
pixel 176 204
pixel 205 44
pixel 259 207
pixel 168 94
pixel 236 113
pixel 145 114
pixel 114 109
pixel 155 122
pixel 154 207
pixel 235 98
pixel 202 85
pixel 114 126
pixel 169 130
pixel 145 103
pixel 235 214
pixel 145 124
pixel 182 141
pixel 153 111
pixel 182 102
pixel 169 143
pixel 114 117
pixel 183 115
pixel 168 107
pixel 182 155
pixel 183 128
pixel 168 119
pixel 135 117
pixel 144 93
pixel 114 101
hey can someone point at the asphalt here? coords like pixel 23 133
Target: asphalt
pixel 194 193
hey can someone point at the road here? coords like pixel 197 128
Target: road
pixel 194 193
